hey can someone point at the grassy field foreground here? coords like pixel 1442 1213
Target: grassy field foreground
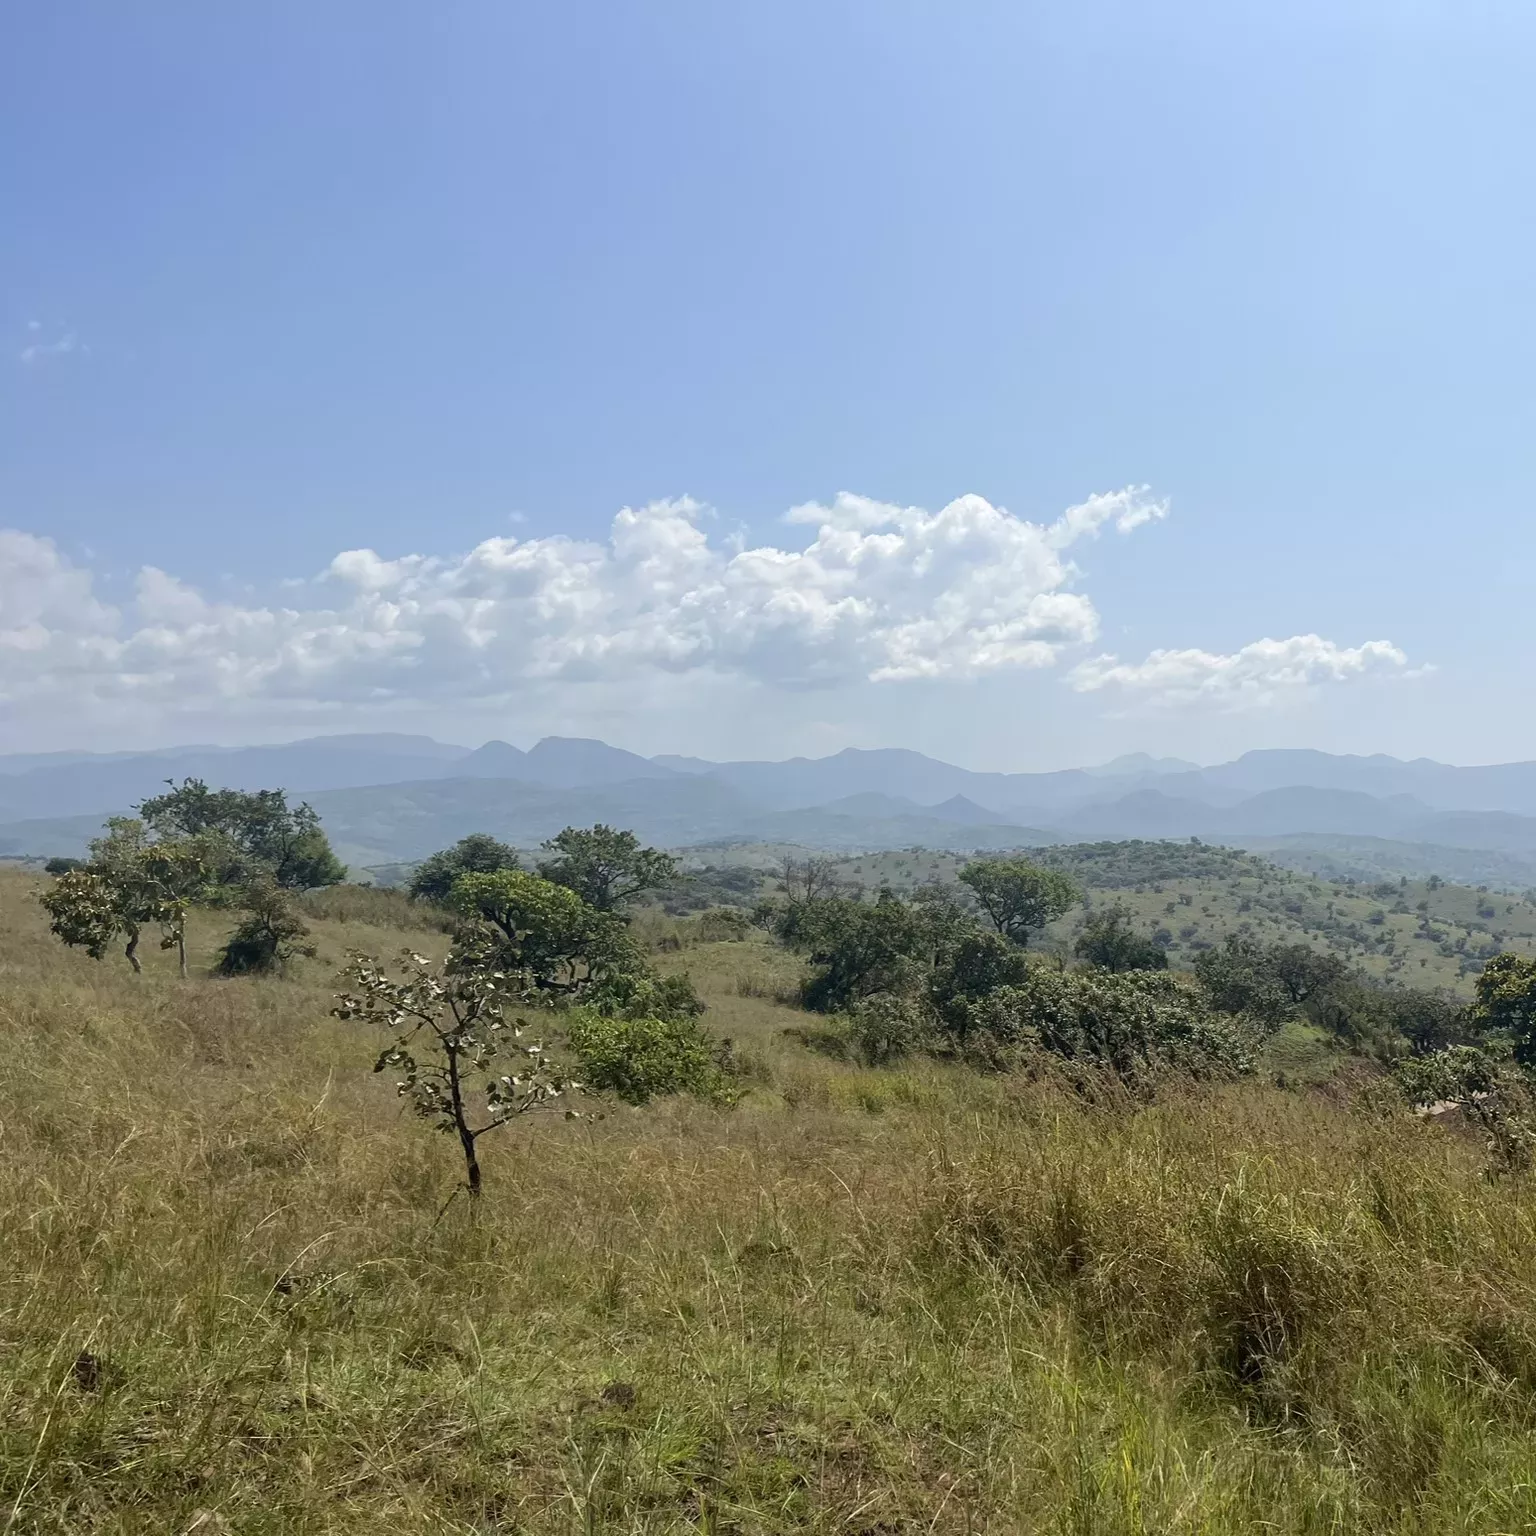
pixel 862 1301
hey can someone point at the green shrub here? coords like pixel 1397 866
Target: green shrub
pixel 640 1059
pixel 1137 1024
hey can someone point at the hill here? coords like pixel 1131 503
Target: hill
pixel 240 1295
pixel 385 798
pixel 1424 932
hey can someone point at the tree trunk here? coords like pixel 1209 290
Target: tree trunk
pixel 131 950
pixel 181 951
pixel 461 1125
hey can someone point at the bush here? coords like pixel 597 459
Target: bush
pixel 640 1059
pixel 1139 1024
pixel 886 1027
pixel 267 938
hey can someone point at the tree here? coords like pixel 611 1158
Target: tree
pixel 808 879
pixel 544 931
pixel 260 826
pixel 448 1025
pixel 131 883
pixel 1304 972
pixel 1018 896
pixel 858 948
pixel 1109 942
pixel 269 935
pixel 1505 994
pixel 605 867
pixel 477 854
pixel 1238 978
pixel 62 865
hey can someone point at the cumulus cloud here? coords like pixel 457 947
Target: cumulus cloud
pixel 878 592
pixel 861 592
pixel 1254 675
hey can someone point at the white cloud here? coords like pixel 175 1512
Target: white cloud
pixel 869 594
pixel 878 593
pixel 1255 675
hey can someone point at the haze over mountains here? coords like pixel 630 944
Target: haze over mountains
pixel 390 798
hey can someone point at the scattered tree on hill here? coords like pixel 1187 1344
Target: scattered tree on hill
pixel 477 854
pixel 605 867
pixel 1110 942
pixel 1506 1000
pixel 809 879
pixel 131 883
pixel 858 948
pixel 544 931
pixel 1019 897
pixel 448 1025
pixel 268 937
pixel 261 829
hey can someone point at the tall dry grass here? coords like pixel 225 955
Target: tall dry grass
pixel 234 1299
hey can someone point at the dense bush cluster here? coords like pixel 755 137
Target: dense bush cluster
pixel 946 971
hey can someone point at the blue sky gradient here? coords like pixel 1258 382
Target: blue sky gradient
pixel 286 280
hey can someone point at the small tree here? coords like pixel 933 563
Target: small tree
pixel 477 854
pixel 1019 897
pixel 809 879
pixel 447 1026
pixel 605 867
pixel 1506 1000
pixel 130 884
pixel 268 937
pixel 544 930
pixel 1111 943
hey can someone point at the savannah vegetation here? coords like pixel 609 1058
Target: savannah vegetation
pixel 873 1211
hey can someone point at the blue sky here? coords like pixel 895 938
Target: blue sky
pixel 285 281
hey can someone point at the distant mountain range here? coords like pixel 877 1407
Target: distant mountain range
pixel 393 798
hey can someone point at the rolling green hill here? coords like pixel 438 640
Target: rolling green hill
pixel 1192 895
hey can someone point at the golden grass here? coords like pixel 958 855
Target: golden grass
pixel 863 1301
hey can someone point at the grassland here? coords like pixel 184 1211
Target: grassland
pixel 237 1296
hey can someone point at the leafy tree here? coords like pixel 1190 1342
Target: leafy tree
pixel 1495 1097
pixel 62 866
pixel 1304 972
pixel 448 1025
pixel 1506 1000
pixel 131 883
pixel 268 937
pixel 605 867
pixel 1429 1021
pixel 641 1058
pixel 1019 897
pixel 544 930
pixel 640 993
pixel 858 948
pixel 261 828
pixel 87 911
pixel 477 854
pixel 1110 942
pixel 1238 978
pixel 970 966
